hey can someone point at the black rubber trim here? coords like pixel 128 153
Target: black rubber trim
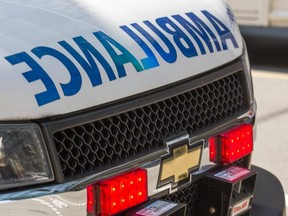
pixel 269 198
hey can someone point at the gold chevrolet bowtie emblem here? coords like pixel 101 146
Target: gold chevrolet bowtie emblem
pixel 180 163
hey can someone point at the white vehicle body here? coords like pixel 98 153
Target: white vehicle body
pixel 265 13
pixel 83 18
pixel 97 90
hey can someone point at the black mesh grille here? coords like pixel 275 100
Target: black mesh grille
pixel 107 142
pixel 189 196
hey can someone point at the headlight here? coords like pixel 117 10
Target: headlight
pixel 23 156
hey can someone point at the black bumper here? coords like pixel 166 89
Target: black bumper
pixel 269 198
pixel 219 193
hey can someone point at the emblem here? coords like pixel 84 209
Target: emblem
pixel 182 160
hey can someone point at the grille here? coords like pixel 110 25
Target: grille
pixel 116 139
pixel 189 196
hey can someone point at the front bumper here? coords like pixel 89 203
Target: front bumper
pixel 269 200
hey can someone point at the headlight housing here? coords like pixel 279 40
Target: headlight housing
pixel 23 156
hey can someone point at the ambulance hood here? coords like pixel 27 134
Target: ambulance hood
pixel 59 57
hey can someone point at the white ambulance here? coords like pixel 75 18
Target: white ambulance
pixel 124 107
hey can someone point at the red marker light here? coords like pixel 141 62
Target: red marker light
pixel 120 193
pixel 91 199
pixel 232 145
pixel 212 149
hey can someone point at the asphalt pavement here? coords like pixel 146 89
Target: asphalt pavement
pixel 271 146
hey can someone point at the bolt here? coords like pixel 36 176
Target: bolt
pixel 212 210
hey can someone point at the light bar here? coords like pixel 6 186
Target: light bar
pixel 117 194
pixel 232 145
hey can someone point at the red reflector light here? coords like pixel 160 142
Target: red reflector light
pixel 91 202
pixel 119 193
pixel 232 145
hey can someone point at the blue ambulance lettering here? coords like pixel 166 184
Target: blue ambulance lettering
pixel 184 35
pixel 151 60
pixel 88 64
pixel 119 60
pixel 74 85
pixel 199 31
pixel 36 73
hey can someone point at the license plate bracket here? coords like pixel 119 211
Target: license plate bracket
pixel 160 208
pixel 228 192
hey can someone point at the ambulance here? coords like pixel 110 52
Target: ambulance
pixel 137 108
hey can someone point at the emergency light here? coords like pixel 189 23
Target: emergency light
pixel 232 145
pixel 117 194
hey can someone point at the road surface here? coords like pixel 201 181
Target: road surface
pixel 271 146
